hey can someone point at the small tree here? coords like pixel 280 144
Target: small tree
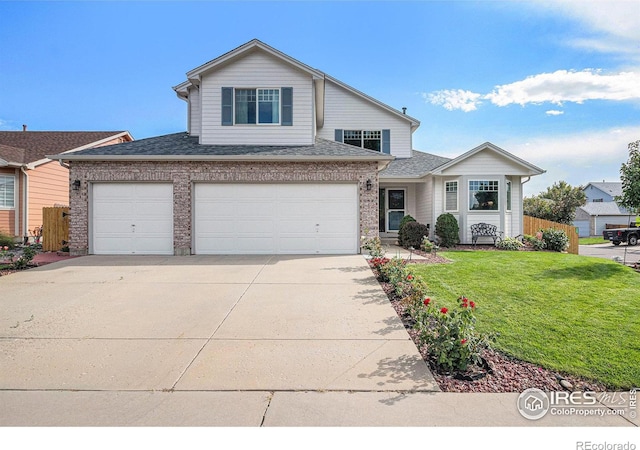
pixel 557 204
pixel 447 230
pixel 630 176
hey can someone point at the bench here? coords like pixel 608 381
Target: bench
pixel 484 230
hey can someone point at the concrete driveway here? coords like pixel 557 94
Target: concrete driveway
pixel 257 324
pixel 608 251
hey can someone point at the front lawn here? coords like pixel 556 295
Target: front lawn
pixel 593 240
pixel 568 313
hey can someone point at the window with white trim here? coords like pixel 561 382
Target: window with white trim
pixel 7 191
pixel 508 195
pixel 261 106
pixel 483 195
pixel 369 139
pixel 451 196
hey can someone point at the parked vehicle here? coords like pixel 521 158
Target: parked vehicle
pixel 616 235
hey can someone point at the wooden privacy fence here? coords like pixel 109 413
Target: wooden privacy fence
pixel 531 225
pixel 55 228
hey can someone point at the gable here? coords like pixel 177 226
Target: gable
pixel 485 162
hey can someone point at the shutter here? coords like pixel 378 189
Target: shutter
pixel 287 106
pixel 386 141
pixel 339 136
pixel 227 106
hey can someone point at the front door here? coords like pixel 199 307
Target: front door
pixel 395 208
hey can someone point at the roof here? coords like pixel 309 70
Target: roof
pixel 604 209
pixel 530 169
pixel 613 188
pixel 182 146
pixel 419 165
pixel 24 147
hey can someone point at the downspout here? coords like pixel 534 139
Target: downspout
pixel 25 202
pixel 16 215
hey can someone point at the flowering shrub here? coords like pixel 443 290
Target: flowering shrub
pixel 555 240
pixel 373 246
pixel 450 336
pixel 535 241
pixel 509 243
pixel 5 254
pixel 395 273
pixel 379 262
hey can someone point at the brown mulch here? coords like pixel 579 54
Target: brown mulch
pixel 506 374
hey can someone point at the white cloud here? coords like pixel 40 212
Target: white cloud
pixel 576 158
pixel 454 99
pixel 608 26
pixel 568 86
pixel 554 112
pixel 557 88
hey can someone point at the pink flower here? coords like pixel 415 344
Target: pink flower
pixel 410 277
pixel 463 341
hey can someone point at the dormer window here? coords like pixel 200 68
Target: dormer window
pixel 261 106
pixel 371 140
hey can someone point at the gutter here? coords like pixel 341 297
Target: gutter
pixel 253 158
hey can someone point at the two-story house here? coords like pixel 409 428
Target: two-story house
pixel 601 209
pixel 279 157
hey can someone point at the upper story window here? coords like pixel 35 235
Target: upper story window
pixel 7 191
pixel 483 195
pixel 371 140
pixel 242 106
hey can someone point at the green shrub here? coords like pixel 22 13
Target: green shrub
pixel 509 243
pixel 412 234
pixel 27 256
pixel 447 230
pixel 555 240
pixel 535 241
pixel 401 229
pixel 6 241
pixel 426 245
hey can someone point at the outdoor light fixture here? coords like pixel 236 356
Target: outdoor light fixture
pixel 76 185
pixel 368 185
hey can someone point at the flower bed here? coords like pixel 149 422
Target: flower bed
pixel 495 372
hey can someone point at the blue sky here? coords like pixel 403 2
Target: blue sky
pixel 556 83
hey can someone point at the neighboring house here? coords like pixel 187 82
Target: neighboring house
pixel 280 157
pixel 30 181
pixel 601 209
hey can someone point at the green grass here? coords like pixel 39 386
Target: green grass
pixel 592 240
pixel 568 313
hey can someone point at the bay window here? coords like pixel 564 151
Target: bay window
pixel 483 195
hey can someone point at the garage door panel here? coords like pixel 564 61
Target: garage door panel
pixel 132 218
pixel 275 218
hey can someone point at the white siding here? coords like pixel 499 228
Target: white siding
pixel 473 218
pixel 485 162
pixel 347 111
pixel 424 202
pixel 195 112
pixel 257 70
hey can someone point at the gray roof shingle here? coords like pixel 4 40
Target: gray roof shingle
pixel 604 209
pixel 182 144
pixel 417 166
pixel 36 144
pixel 613 188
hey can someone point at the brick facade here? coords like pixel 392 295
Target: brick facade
pixel 184 173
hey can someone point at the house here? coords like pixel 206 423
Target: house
pixel 279 157
pixel 601 209
pixel 30 181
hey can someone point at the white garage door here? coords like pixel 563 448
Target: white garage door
pixel 276 218
pixel 132 218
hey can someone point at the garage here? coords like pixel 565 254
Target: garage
pixel 253 218
pixel 132 218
